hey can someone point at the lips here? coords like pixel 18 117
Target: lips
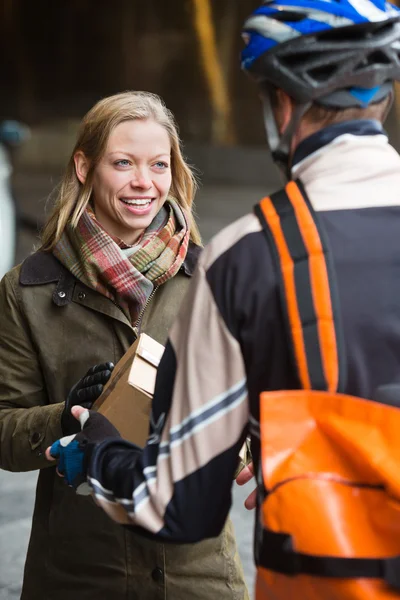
pixel 137 201
pixel 138 206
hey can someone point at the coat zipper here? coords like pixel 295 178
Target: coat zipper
pixel 139 320
pixel 140 317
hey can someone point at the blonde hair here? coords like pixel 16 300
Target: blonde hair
pixel 72 197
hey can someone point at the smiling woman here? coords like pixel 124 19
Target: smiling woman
pixel 132 134
pixel 117 254
pixel 133 178
pixel 126 196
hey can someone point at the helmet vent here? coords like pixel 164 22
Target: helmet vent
pixel 288 16
pixel 379 58
pixel 343 35
pixel 297 60
pixel 323 73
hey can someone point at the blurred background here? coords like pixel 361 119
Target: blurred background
pixel 57 59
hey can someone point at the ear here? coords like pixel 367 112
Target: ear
pixel 81 166
pixel 284 110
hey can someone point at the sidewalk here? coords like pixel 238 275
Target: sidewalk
pixel 17 498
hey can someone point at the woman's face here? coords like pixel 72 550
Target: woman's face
pixel 132 180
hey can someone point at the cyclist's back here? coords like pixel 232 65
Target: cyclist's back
pixel 353 182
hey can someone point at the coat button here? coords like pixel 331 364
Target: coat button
pixel 62 294
pixel 35 437
pixel 158 575
pixel 81 295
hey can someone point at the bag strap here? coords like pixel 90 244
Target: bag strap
pixel 277 554
pixel 307 287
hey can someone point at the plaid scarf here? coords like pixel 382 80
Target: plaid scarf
pixel 126 276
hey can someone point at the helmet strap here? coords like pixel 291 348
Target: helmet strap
pixel 280 145
pixel 389 105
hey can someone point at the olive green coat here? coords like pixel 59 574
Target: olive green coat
pixel 52 329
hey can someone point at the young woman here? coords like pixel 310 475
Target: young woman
pixel 116 257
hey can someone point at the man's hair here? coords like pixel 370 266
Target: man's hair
pixel 323 116
pixel 329 116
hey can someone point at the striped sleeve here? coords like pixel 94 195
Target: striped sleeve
pixel 179 487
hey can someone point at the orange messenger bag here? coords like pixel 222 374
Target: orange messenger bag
pixel 329 474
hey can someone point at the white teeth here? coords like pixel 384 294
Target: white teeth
pixel 137 202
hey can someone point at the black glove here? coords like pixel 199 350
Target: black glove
pixel 84 393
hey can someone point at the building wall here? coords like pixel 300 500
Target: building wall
pixel 59 58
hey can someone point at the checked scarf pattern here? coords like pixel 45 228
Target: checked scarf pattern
pixel 98 260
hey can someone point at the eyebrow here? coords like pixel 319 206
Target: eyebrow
pixel 130 154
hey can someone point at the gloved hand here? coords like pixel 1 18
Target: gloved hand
pixel 84 393
pixel 74 451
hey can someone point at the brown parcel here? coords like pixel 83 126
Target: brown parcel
pixel 126 399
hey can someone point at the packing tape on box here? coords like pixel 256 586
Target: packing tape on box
pixel 149 357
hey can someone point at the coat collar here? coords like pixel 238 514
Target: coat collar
pixel 318 140
pixel 41 268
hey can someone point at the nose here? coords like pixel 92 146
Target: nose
pixel 141 179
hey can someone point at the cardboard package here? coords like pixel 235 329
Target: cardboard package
pixel 126 399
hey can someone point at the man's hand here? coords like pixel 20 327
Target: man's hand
pixel 74 451
pixel 244 476
pixel 84 393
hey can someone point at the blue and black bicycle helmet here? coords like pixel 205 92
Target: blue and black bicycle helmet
pixel 337 53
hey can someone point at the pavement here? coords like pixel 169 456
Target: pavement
pixel 216 206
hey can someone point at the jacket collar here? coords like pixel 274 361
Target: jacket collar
pixel 323 137
pixel 192 256
pixel 351 172
pixel 41 268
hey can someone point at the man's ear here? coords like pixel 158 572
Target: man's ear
pixel 284 110
pixel 81 166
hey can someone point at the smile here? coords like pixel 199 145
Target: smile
pixel 143 202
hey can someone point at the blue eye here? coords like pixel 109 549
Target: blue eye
pixel 122 163
pixel 161 165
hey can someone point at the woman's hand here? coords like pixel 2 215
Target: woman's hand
pixel 73 451
pixel 244 476
pixel 84 393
